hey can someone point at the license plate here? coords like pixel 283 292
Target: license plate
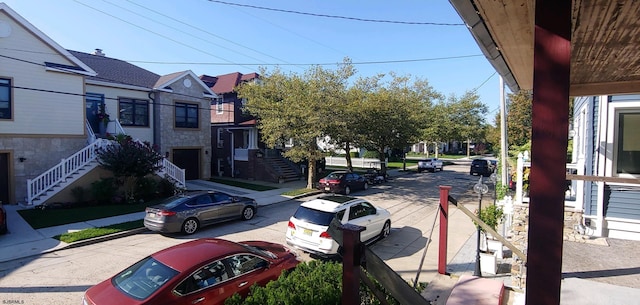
pixel 307 232
pixel 327 188
pixel 151 215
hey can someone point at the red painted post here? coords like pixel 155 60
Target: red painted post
pixel 444 221
pixel 352 252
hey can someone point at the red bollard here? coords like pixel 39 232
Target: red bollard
pixel 444 221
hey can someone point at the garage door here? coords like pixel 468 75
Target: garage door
pixel 189 160
pixel 4 178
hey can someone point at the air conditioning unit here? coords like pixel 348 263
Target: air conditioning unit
pixel 220 144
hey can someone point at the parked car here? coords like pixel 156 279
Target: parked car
pixel 343 182
pixel 481 167
pixel 208 269
pixel 430 164
pixel 307 228
pixel 187 213
pixel 3 220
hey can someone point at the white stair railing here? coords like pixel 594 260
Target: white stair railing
pixel 60 172
pixel 170 169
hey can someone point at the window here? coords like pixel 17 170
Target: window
pixel 5 98
pixel 209 275
pixel 186 115
pixel 627 153
pixel 245 263
pixel 219 109
pixel 148 273
pixel 133 112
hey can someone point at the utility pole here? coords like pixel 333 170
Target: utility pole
pixel 503 135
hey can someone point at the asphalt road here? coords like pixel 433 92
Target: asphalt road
pixel 62 277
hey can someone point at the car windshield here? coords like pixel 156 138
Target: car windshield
pixel 143 278
pixel 314 216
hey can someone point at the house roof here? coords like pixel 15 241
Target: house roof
pixel 604 43
pixel 78 66
pixel 228 82
pixel 111 70
pixel 165 81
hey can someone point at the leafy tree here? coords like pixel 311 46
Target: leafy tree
pixel 129 161
pixel 519 118
pixel 390 113
pixel 297 108
pixel 466 117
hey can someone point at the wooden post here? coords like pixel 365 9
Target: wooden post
pixel 352 252
pixel 444 213
pixel 549 137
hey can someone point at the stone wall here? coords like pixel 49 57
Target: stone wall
pixel 519 236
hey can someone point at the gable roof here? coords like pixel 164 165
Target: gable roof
pixel 165 81
pixel 226 83
pixel 115 71
pixel 78 68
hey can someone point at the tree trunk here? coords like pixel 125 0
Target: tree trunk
pixel 468 148
pixel 383 164
pixel 311 174
pixel 347 148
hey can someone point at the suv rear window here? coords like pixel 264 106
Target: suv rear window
pixel 480 162
pixel 314 216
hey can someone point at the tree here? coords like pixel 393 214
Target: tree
pixel 297 108
pixel 519 118
pixel 390 113
pixel 129 160
pixel 465 116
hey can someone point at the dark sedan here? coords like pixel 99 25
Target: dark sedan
pixel 202 271
pixel 188 212
pixel 342 182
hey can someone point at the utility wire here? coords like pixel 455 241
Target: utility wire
pixel 335 16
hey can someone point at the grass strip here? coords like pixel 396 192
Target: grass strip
pixel 298 192
pixel 97 232
pixel 39 218
pixel 242 184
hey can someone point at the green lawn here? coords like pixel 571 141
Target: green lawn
pixel 38 218
pixel 96 232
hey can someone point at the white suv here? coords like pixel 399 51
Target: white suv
pixel 307 228
pixel 430 164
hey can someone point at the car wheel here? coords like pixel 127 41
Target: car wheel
pixel 190 226
pixel 386 229
pixel 248 213
pixel 365 186
pixel 347 190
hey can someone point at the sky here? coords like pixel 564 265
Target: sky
pixel 423 39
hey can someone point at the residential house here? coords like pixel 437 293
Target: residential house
pixel 606 146
pixel 238 151
pixel 53 103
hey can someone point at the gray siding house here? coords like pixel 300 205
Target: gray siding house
pixel 606 145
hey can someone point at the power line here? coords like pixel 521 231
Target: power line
pixel 337 17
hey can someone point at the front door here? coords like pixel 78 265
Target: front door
pixel 189 160
pixel 4 178
pixel 94 103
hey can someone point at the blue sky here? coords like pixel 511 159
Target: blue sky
pixel 213 37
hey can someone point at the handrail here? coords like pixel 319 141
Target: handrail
pixel 489 229
pixel 91 136
pixel 61 171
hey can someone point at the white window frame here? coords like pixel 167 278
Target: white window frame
pixel 219 109
pixel 615 108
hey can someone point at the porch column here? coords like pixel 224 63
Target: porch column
pixel 549 138
pixel 253 138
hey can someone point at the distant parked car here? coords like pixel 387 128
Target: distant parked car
pixel 430 164
pixel 202 271
pixel 481 167
pixel 343 182
pixel 307 228
pixel 187 213
pixel 3 220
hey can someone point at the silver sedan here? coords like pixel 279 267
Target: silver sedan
pixel 188 212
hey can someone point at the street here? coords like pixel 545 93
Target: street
pixel 62 277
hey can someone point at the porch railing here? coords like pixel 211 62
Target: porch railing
pixel 60 172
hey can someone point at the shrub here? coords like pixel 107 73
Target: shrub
pixel 354 154
pixel 165 188
pixel 312 283
pixel 79 194
pixel 371 154
pixel 104 190
pixel 491 215
pixel 146 189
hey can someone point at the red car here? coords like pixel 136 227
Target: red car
pixel 342 182
pixel 202 271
